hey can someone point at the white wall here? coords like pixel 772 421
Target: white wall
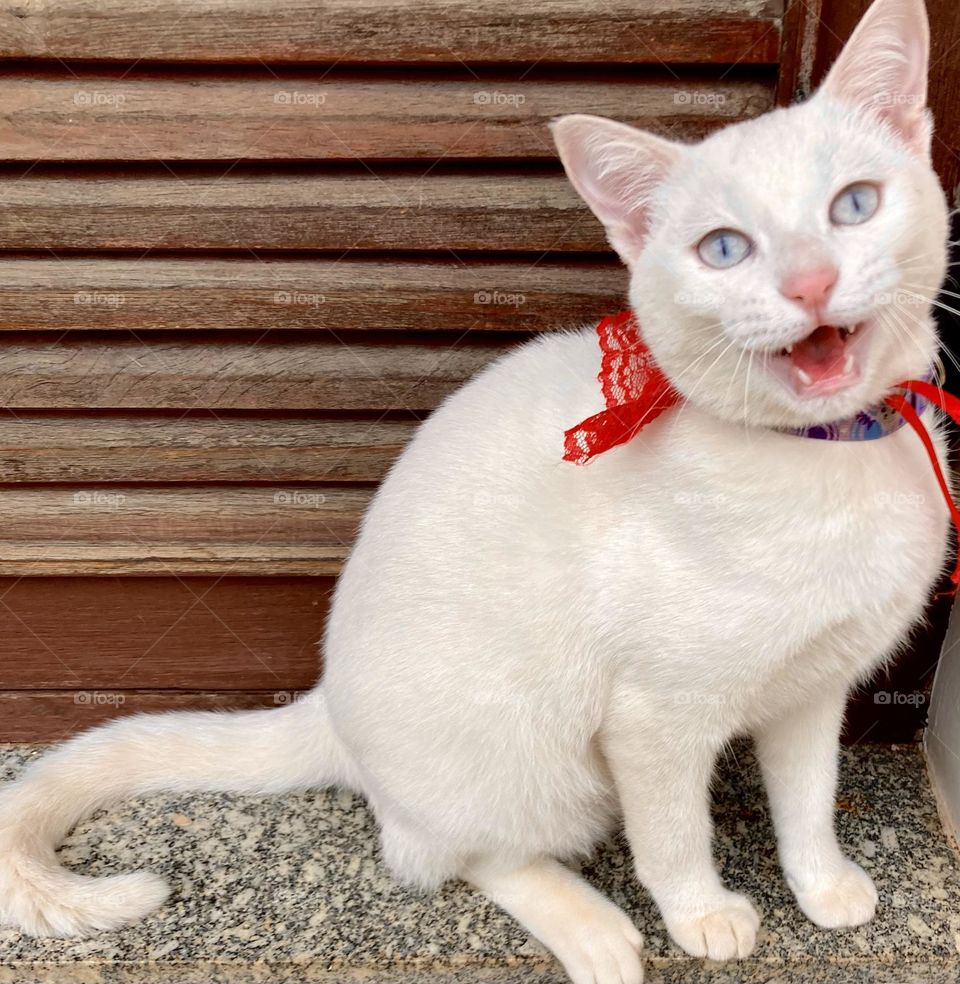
pixel 942 737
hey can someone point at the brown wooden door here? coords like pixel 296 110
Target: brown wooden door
pixel 244 251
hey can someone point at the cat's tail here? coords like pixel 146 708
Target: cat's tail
pixel 269 751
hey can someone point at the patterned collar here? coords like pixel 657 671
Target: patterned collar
pixel 865 425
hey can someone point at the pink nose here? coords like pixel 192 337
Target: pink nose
pixel 811 288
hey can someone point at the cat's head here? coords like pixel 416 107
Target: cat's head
pixel 782 269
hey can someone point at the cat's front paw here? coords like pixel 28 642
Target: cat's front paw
pixel 602 951
pixel 726 930
pixel 849 899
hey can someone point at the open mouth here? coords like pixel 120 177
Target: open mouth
pixel 824 362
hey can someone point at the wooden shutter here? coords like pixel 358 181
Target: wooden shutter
pixel 244 249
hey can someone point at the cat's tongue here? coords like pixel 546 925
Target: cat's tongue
pixel 821 355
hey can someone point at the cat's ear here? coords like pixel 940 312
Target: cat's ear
pixel 883 68
pixel 616 169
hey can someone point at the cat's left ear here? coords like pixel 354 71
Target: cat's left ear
pixel 616 169
pixel 883 68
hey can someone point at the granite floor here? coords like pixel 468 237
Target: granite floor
pixel 292 889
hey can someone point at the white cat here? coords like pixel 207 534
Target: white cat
pixel 522 650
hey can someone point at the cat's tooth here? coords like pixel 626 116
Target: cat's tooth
pixel 789 349
pixel 804 377
pixel 852 329
pixel 848 365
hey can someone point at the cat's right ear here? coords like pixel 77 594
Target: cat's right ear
pixel 883 69
pixel 615 169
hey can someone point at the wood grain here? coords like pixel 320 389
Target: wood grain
pixel 392 31
pixel 200 293
pixel 802 21
pixel 161 632
pixel 126 373
pixel 137 116
pixel 53 715
pixel 303 211
pixel 196 447
pixel 179 530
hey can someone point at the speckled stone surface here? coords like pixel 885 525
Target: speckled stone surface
pixel 292 889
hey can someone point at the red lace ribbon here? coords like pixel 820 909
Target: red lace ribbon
pixel 636 392
pixel 634 389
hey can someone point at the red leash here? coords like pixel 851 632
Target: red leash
pixel 950 405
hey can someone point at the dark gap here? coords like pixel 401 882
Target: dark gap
pixel 55 69
pixel 290 416
pixel 442 257
pixel 186 485
pixel 465 336
pixel 214 169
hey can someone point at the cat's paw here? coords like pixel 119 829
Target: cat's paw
pixel 603 951
pixel 725 931
pixel 849 899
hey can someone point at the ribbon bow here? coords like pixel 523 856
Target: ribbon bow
pixel 634 388
pixel 636 392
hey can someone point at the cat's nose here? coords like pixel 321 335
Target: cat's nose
pixel 810 289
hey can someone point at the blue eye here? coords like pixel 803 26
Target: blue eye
pixel 855 204
pixel 724 248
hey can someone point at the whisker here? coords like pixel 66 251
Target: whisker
pixel 730 343
pixel 931 300
pixel 733 375
pixel 942 290
pixel 702 355
pixel 899 327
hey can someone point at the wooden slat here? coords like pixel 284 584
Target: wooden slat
pixel 515 212
pixel 521 295
pixel 182 530
pixel 125 373
pixel 51 715
pixel 802 21
pixel 138 117
pixel 160 632
pixel 440 31
pixel 199 447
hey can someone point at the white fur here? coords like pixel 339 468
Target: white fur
pixel 521 650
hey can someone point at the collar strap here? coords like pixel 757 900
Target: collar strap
pixel 865 425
